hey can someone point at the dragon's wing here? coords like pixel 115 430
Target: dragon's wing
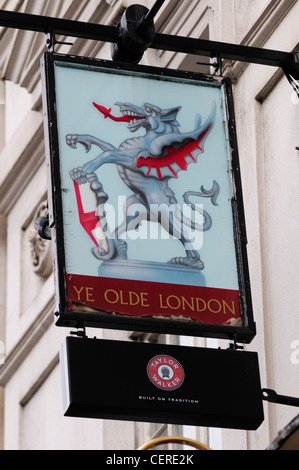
pixel 171 153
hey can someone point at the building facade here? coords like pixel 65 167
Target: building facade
pixel 267 119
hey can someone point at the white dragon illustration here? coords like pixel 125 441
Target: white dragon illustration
pixel 146 164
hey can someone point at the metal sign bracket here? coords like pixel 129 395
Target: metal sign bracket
pixel 51 41
pixel 80 333
pixel 288 61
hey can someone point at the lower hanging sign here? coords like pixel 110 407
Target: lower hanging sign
pixel 161 383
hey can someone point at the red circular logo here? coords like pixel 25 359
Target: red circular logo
pixel 165 372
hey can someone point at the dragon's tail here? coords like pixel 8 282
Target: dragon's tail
pixel 211 194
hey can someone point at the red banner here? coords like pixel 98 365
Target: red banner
pixel 139 298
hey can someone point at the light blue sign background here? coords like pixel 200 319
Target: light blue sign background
pixel 77 87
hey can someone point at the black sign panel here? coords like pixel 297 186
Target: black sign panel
pixel 161 383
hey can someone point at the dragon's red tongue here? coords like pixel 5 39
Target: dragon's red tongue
pixel 107 113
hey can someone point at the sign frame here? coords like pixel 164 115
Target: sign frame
pixel 83 317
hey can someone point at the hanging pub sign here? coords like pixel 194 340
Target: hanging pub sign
pixel 145 199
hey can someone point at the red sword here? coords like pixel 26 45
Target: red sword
pixel 88 220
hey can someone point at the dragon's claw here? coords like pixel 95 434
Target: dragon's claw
pixel 73 139
pixel 78 175
pixel 191 263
